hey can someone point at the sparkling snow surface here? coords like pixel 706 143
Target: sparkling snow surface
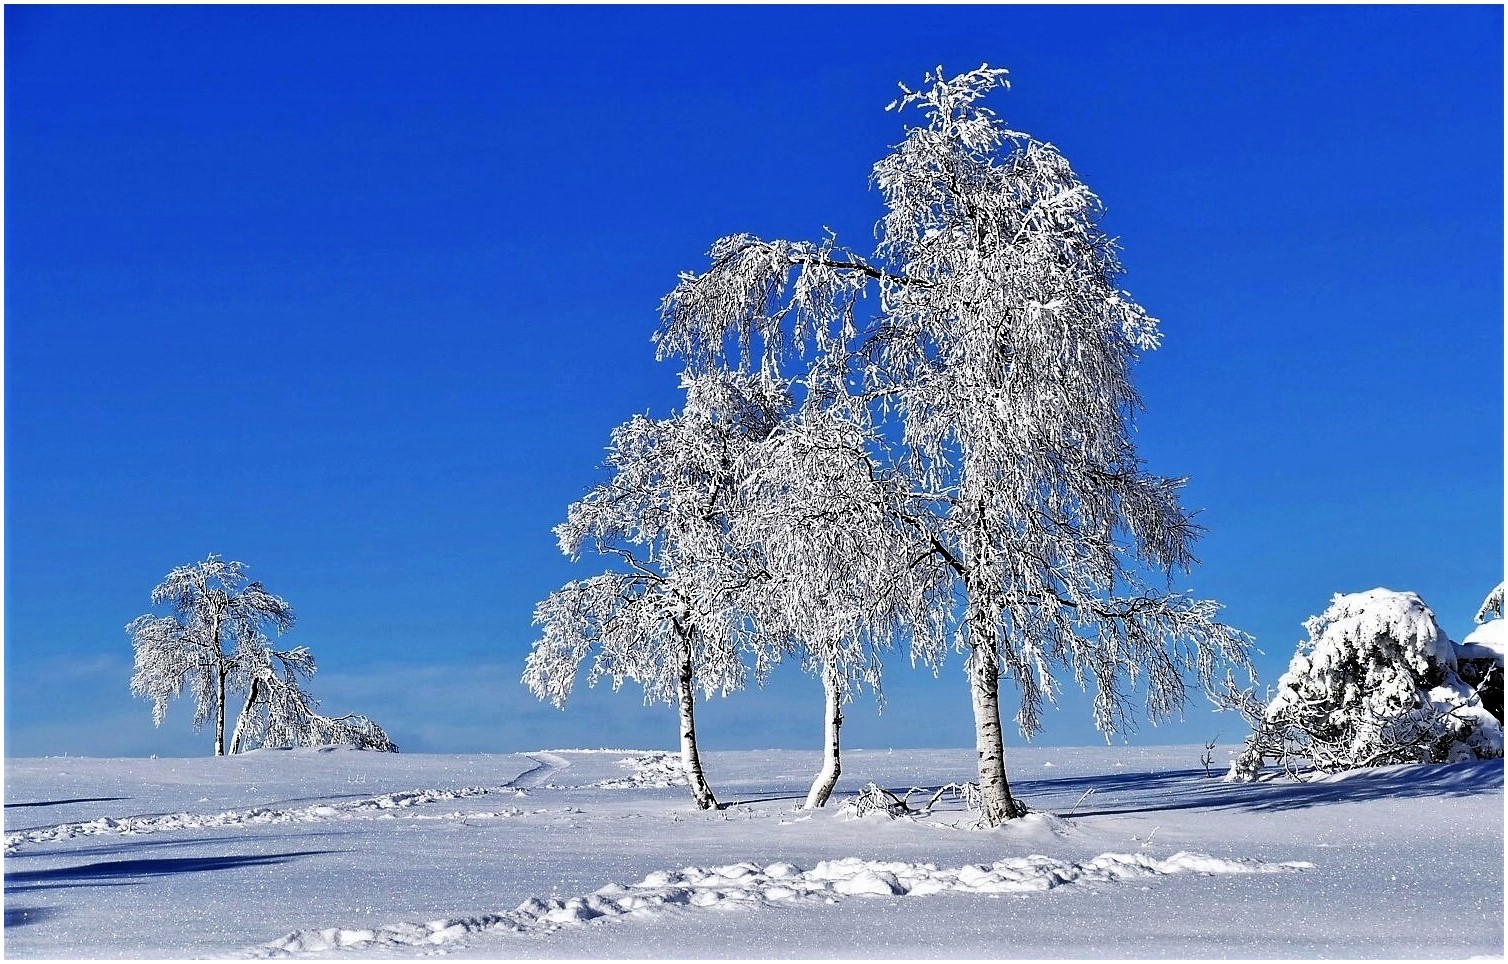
pixel 600 854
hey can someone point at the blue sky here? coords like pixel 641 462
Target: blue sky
pixel 356 294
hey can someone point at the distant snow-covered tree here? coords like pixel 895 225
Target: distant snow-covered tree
pixel 670 619
pixel 1375 683
pixel 216 642
pixel 218 616
pixel 1004 348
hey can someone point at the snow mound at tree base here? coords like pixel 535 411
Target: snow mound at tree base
pixel 651 769
pixel 750 884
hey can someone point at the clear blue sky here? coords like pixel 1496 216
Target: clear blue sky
pixel 356 294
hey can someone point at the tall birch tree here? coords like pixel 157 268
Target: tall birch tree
pixel 1003 346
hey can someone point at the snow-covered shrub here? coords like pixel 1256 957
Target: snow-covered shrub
pixel 1375 683
pixel 876 799
pixel 1479 657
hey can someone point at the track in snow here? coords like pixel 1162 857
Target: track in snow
pixel 384 806
pixel 752 885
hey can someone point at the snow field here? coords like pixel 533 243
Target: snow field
pixel 751 884
pixel 208 858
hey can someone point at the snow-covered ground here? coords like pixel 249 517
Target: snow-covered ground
pixel 1131 852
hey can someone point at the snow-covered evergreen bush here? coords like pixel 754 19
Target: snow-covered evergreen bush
pixel 1375 683
pixel 1479 657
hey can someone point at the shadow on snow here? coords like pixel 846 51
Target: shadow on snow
pixel 20 916
pixel 1154 791
pixel 59 803
pixel 138 845
pixel 114 872
pixel 1204 793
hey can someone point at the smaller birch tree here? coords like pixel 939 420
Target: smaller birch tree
pixel 829 525
pixel 670 620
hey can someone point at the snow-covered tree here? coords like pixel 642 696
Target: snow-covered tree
pixel 218 617
pixel 1375 683
pixel 216 642
pixel 670 619
pixel 822 504
pixel 1004 347
pixel 829 526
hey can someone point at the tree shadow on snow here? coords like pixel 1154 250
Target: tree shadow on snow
pixel 1194 788
pixel 1122 781
pixel 771 799
pixel 1399 783
pixel 137 845
pixel 1045 794
pixel 20 916
pixel 116 872
pixel 59 803
pixel 1053 794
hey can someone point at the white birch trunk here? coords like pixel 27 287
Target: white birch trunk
pixel 827 777
pixel 997 804
pixel 691 760
pixel 235 737
pixel 220 715
pixel 220 671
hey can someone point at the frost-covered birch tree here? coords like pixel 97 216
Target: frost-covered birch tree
pixel 1003 346
pixel 218 617
pixel 216 642
pixel 669 618
pixel 822 507
pixel 827 521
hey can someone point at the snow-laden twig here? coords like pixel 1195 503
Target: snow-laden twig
pixel 1082 797
pixel 874 799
